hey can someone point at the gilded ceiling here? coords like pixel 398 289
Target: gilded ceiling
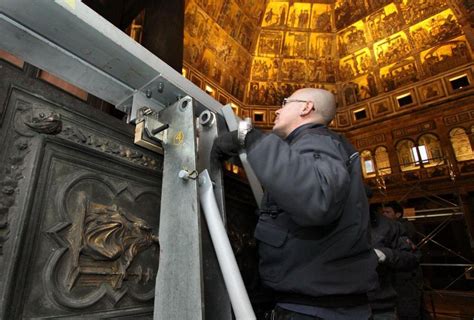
pixel 261 51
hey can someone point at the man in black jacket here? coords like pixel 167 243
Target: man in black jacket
pixel 396 254
pixel 409 282
pixel 312 232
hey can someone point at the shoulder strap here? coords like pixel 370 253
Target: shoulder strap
pixel 348 147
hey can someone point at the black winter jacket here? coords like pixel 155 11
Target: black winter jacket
pixel 312 231
pixel 388 237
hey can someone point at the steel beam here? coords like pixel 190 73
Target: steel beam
pixel 70 40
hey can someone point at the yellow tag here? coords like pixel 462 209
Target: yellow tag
pixel 179 138
pixel 71 3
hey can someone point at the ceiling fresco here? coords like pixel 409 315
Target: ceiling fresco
pixel 261 51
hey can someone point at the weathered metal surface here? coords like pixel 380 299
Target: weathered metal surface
pixel 179 281
pixel 79 208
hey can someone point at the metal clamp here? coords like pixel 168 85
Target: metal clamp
pixel 187 175
pixel 143 98
pixel 150 133
pixel 155 129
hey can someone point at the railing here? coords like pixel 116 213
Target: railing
pixel 434 171
pixel 382 181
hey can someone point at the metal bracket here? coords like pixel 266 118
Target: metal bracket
pixel 144 97
pixel 150 132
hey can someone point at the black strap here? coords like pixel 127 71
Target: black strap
pixel 280 313
pixel 330 301
pixel 348 147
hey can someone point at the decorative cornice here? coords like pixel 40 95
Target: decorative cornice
pixel 47 124
pixel 458 118
pixel 414 129
pixel 11 173
pixel 370 141
pixel 30 121
pixel 103 144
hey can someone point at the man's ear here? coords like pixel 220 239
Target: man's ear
pixel 307 109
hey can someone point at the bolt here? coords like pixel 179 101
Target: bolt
pixel 159 129
pixel 161 87
pixel 183 105
pixel 206 118
pixel 183 174
pixel 186 175
pixel 146 111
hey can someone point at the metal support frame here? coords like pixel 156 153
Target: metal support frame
pixel 448 211
pixel 430 239
pixel 71 41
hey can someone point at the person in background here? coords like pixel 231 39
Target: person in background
pixel 394 254
pixel 407 283
pixel 394 211
pixel 313 238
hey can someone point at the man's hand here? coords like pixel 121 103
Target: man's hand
pixel 225 146
pixel 380 255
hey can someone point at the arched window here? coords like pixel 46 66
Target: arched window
pixel 461 144
pixel 382 161
pixel 429 150
pixel 367 162
pixel 407 155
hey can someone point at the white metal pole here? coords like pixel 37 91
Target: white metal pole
pixel 233 280
pixel 232 124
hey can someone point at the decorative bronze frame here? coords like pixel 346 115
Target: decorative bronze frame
pixel 439 90
pixel 343 119
pixel 385 102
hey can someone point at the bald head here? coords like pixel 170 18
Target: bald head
pixel 324 103
pixel 308 105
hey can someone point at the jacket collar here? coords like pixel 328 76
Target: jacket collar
pixel 295 133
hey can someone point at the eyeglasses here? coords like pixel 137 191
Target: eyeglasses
pixel 286 101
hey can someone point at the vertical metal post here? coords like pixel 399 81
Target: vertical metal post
pixel 215 293
pixel 178 293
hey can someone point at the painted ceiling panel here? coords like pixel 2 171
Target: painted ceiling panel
pixel 260 52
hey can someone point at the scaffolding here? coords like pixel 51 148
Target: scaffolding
pixel 457 266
